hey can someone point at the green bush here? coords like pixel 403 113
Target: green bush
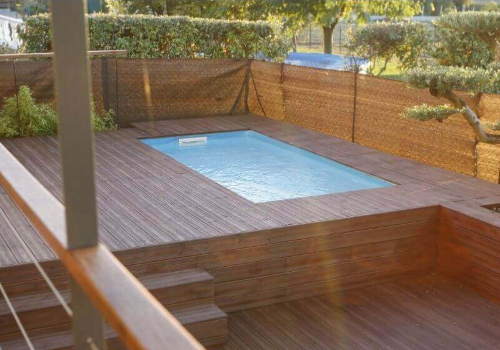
pixel 467 39
pixel 21 116
pixel 169 36
pixel 460 49
pixel 381 41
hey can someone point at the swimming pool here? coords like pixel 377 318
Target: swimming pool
pixel 262 169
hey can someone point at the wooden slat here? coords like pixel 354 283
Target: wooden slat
pixel 139 319
pixel 424 313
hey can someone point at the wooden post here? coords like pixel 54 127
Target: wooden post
pixel 72 82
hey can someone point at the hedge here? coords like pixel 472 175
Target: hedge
pixel 168 36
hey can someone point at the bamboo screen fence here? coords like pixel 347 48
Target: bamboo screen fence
pixel 367 110
pixel 354 107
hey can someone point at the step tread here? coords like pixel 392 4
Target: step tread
pixel 63 339
pixel 47 299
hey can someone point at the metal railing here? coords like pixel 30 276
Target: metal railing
pixel 101 287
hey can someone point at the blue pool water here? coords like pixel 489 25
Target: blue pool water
pixel 260 168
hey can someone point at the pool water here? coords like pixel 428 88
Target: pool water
pixel 262 169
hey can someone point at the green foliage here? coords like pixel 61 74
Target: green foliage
pixel 146 36
pixel 425 112
pixel 491 7
pixel 440 79
pixel 462 49
pixel 384 40
pixel 328 12
pixel 482 23
pixel 21 116
pixel 105 122
pixel 468 38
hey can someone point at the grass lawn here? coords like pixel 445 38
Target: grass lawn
pixel 392 71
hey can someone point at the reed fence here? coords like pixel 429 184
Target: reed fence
pixel 355 107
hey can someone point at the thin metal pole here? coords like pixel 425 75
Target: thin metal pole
pixel 16 318
pixel 34 260
pixel 116 91
pixel 356 70
pixel 18 117
pixel 76 144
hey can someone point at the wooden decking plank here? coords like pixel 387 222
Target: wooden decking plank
pixel 148 199
pixel 24 231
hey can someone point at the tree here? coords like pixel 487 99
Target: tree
pixel 483 25
pixel 445 82
pixel 491 7
pixel 147 7
pixel 294 13
pixel 461 49
pixel 329 13
pixel 382 41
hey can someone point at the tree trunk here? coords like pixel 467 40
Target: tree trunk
pixel 328 38
pixel 294 41
pixel 472 119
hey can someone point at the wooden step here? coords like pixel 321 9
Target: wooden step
pixel 207 323
pixel 43 310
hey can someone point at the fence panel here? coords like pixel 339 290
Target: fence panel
pixel 156 89
pixel 488 156
pixel 266 90
pixel 379 125
pixel 319 99
pixel 7 80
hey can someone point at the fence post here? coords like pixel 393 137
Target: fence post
pixel 282 83
pixel 18 117
pixel 116 92
pixel 72 82
pixel 356 72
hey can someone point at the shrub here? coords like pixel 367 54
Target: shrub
pixel 169 36
pixel 384 40
pixel 463 49
pixel 468 39
pixel 22 116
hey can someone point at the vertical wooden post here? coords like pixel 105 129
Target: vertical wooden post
pixel 72 82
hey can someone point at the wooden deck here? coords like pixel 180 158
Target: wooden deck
pixel 160 217
pixel 147 199
pixel 428 313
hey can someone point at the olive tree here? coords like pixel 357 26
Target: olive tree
pixel 381 41
pixel 467 27
pixel 445 82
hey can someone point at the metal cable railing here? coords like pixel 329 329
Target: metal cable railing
pixel 16 317
pixel 49 282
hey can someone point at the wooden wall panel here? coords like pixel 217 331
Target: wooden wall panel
pixel 469 250
pixel 260 268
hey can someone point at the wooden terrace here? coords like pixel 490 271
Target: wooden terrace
pixel 350 268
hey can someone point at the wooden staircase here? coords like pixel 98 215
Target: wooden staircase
pixel 188 295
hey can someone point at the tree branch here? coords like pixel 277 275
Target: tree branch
pixel 471 118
